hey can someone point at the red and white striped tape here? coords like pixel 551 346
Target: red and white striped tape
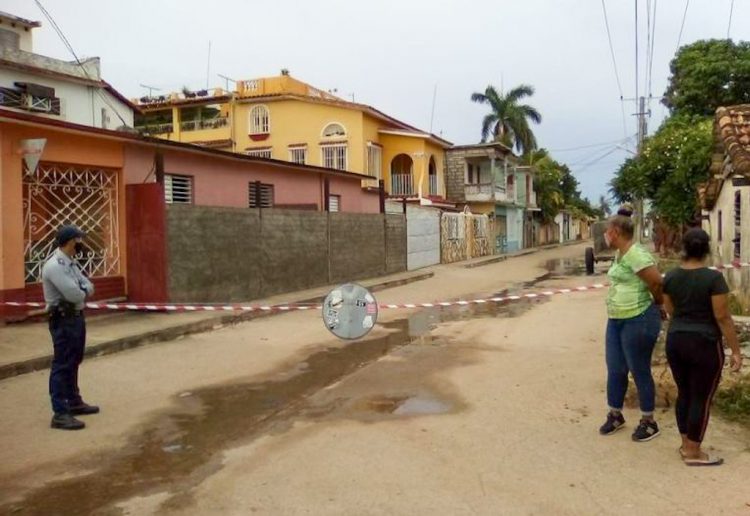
pixel 156 307
pixel 733 265
pixel 175 307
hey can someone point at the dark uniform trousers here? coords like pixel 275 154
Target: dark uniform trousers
pixel 69 339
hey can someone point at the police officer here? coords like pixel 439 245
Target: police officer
pixel 65 291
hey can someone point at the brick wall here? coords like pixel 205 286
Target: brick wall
pixel 234 254
pixel 455 175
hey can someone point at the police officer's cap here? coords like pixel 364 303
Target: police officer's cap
pixel 67 233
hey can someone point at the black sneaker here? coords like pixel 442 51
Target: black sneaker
pixel 84 409
pixel 646 431
pixel 613 424
pixel 66 422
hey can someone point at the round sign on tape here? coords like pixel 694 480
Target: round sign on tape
pixel 350 311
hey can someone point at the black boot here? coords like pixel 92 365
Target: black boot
pixel 84 409
pixel 66 422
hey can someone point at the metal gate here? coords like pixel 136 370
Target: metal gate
pixel 57 194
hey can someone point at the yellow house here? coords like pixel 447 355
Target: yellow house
pixel 286 119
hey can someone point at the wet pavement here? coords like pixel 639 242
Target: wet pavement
pixel 182 446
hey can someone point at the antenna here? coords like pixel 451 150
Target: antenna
pixel 208 65
pixel 150 89
pixel 227 80
pixel 434 98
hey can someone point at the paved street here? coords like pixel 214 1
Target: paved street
pixel 466 410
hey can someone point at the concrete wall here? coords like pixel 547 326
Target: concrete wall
pixel 423 237
pixel 229 254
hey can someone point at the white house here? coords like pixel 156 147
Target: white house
pixel 725 198
pixel 53 88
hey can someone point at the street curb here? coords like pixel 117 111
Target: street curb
pixel 181 330
pixel 524 252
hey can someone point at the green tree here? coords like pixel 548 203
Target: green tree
pixel 508 119
pixel 673 162
pixel 708 74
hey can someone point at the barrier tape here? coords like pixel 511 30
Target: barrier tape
pixel 175 307
pixel 157 307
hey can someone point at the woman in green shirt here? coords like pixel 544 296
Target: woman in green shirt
pixel 634 309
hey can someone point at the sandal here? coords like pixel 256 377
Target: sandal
pixel 710 460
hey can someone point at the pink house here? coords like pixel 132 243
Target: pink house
pixel 117 186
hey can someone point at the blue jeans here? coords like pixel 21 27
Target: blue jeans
pixel 69 340
pixel 630 344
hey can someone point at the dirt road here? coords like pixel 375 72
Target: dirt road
pixel 471 410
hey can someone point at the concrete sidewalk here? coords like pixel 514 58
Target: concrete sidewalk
pixel 26 347
pixel 495 258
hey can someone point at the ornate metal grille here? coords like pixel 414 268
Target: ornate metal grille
pixel 59 194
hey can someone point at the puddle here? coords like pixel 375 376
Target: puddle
pixel 421 406
pixel 177 449
pixel 407 405
pixel 565 267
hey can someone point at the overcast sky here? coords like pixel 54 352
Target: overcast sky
pixel 391 54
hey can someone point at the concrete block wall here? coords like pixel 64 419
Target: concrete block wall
pixel 235 254
pixel 357 246
pixel 395 244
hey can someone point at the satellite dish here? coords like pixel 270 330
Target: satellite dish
pixel 350 311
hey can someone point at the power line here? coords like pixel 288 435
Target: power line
pixel 651 56
pixel 614 65
pixel 636 51
pixel 648 44
pixel 78 61
pixel 682 26
pixel 592 145
pixel 731 11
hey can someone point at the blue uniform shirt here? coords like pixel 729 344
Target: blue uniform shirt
pixel 62 279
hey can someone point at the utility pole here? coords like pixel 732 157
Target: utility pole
pixel 642 130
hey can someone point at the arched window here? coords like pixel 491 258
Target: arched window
pixel 334 130
pixel 260 120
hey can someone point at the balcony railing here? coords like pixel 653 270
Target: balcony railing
pixel 434 185
pixel 402 185
pixel 156 128
pixel 479 191
pixel 209 123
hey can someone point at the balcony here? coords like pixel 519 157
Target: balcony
pixel 481 192
pixel 209 123
pixel 402 185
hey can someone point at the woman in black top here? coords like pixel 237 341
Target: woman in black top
pixel 697 299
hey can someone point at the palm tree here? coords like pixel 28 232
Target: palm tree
pixel 508 122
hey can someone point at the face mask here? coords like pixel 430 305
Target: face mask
pixel 80 249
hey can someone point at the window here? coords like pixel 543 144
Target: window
pixel 260 121
pixel 259 195
pixel 334 203
pixel 298 155
pixel 737 225
pixel 334 156
pixel 178 189
pixel 374 161
pixel 334 131
pixel 259 153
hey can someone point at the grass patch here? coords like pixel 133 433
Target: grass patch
pixel 735 306
pixel 733 401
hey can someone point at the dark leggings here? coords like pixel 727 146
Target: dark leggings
pixel 696 362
